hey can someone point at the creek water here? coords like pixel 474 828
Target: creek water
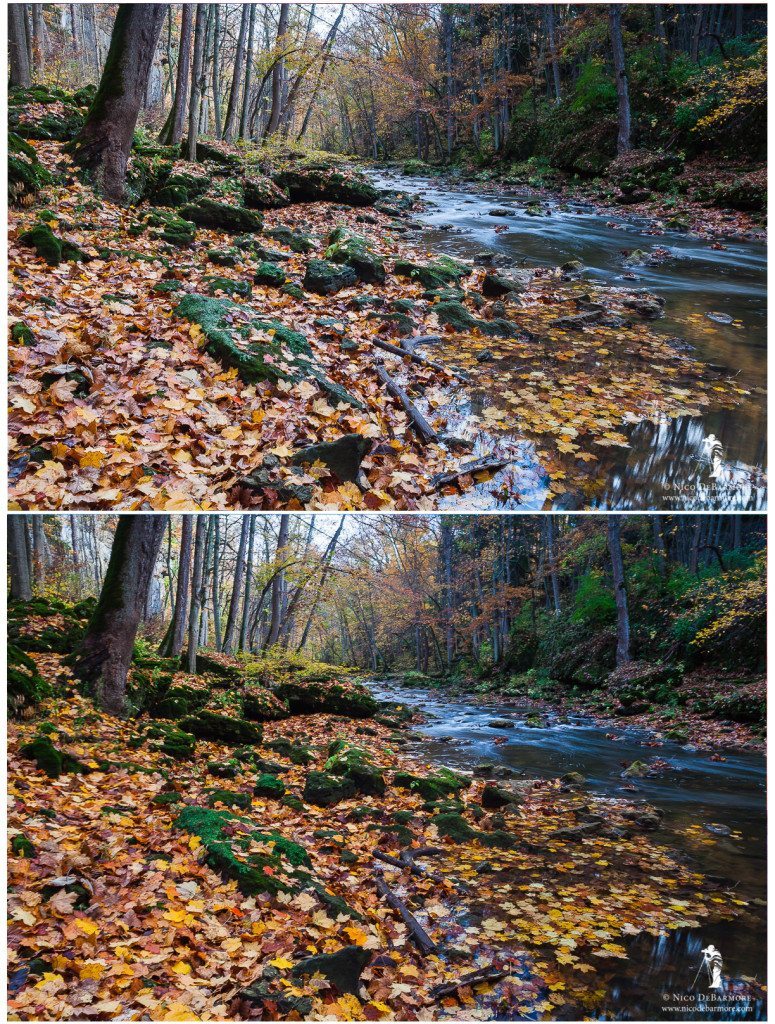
pixel 696 792
pixel 667 465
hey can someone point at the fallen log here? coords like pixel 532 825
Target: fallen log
pixel 404 862
pixel 414 341
pixel 421 425
pixel 449 988
pixel 477 466
pixel 423 940
pixel 386 346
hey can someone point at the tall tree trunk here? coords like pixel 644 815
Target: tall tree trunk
pixel 103 144
pixel 172 133
pixel 327 47
pixel 217 583
pixel 197 83
pixel 278 73
pixel 18 54
pixel 236 81
pixel 236 591
pixel 620 591
pixel 39 41
pixel 552 564
pixel 41 553
pixel 195 613
pixel 217 71
pixel 243 124
pixel 243 634
pixel 623 139
pixel 104 657
pixel 278 584
pixel 18 561
pixel 180 614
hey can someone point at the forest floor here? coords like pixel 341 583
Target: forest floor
pixel 116 404
pixel 537 886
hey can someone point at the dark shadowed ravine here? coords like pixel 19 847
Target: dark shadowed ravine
pixel 666 465
pixel 698 792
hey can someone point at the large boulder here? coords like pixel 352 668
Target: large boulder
pixel 207 725
pixel 342 968
pixel 325 790
pixel 256 348
pixel 456 316
pixel 353 763
pixel 176 188
pixel 309 183
pixel 50 247
pixel 328 278
pixel 353 250
pixel 343 456
pixel 208 213
pixel 441 272
pixel 26 174
pixel 328 696
pixel 261 193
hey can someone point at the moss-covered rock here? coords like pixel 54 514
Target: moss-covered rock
pixel 178 744
pixel 208 213
pixel 212 665
pixel 297 241
pixel 176 188
pixel 325 790
pixel 222 770
pixel 225 285
pixel 166 799
pixel 269 786
pixel 328 278
pixel 176 702
pixel 342 968
pixel 49 247
pixel 269 273
pixel 455 315
pixel 354 763
pixel 26 174
pixel 228 798
pixel 437 786
pixel 353 250
pixel 169 227
pixel 258 349
pixel 50 760
pixel 309 183
pixel 56 126
pixel 746 192
pixel 26 686
pixel 454 826
pixel 225 257
pixel 329 696
pixel 264 706
pixel 296 753
pixel 261 193
pixel 206 725
pixel 438 274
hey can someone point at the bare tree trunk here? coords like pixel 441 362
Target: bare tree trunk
pixel 552 564
pixel 278 585
pixel 197 83
pixel 553 53
pixel 18 54
pixel 39 41
pixel 217 71
pixel 195 614
pixel 41 553
pixel 243 124
pixel 216 520
pixel 236 591
pixel 18 562
pixel 236 81
pixel 278 73
pixel 180 613
pixel 623 140
pixel 620 591
pixel 172 132
pixel 243 636
pixel 106 651
pixel 103 144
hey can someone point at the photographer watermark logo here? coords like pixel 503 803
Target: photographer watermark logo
pixel 715 454
pixel 709 971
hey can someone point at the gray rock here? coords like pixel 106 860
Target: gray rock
pixel 343 456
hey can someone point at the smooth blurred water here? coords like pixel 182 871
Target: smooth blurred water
pixel 698 791
pixel 666 466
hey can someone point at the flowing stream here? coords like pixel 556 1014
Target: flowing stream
pixel 667 464
pixel 698 792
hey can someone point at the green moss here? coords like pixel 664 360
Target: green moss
pixel 224 257
pixel 228 798
pixel 278 354
pixel 324 790
pixel 177 701
pixel 455 315
pixel 208 213
pixel 260 193
pixel 222 771
pixel 329 696
pixel 50 248
pixel 354 764
pixel 432 787
pixel 176 188
pixel 269 273
pixel 313 182
pixel 207 725
pixel 354 251
pixel 454 827
pixel 22 334
pixel 166 799
pixel 50 760
pixel 22 847
pixel 441 272
pixel 328 278
pixel 269 786
pixel 296 753
pixel 263 706
pixel 225 284
pixel 179 745
pixel 26 687
pixel 297 241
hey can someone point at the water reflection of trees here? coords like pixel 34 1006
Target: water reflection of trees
pixel 668 466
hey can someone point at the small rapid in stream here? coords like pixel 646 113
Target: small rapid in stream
pixel 698 792
pixel 666 465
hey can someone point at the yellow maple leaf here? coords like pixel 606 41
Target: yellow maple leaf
pixel 281 963
pixel 181 968
pixel 87 927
